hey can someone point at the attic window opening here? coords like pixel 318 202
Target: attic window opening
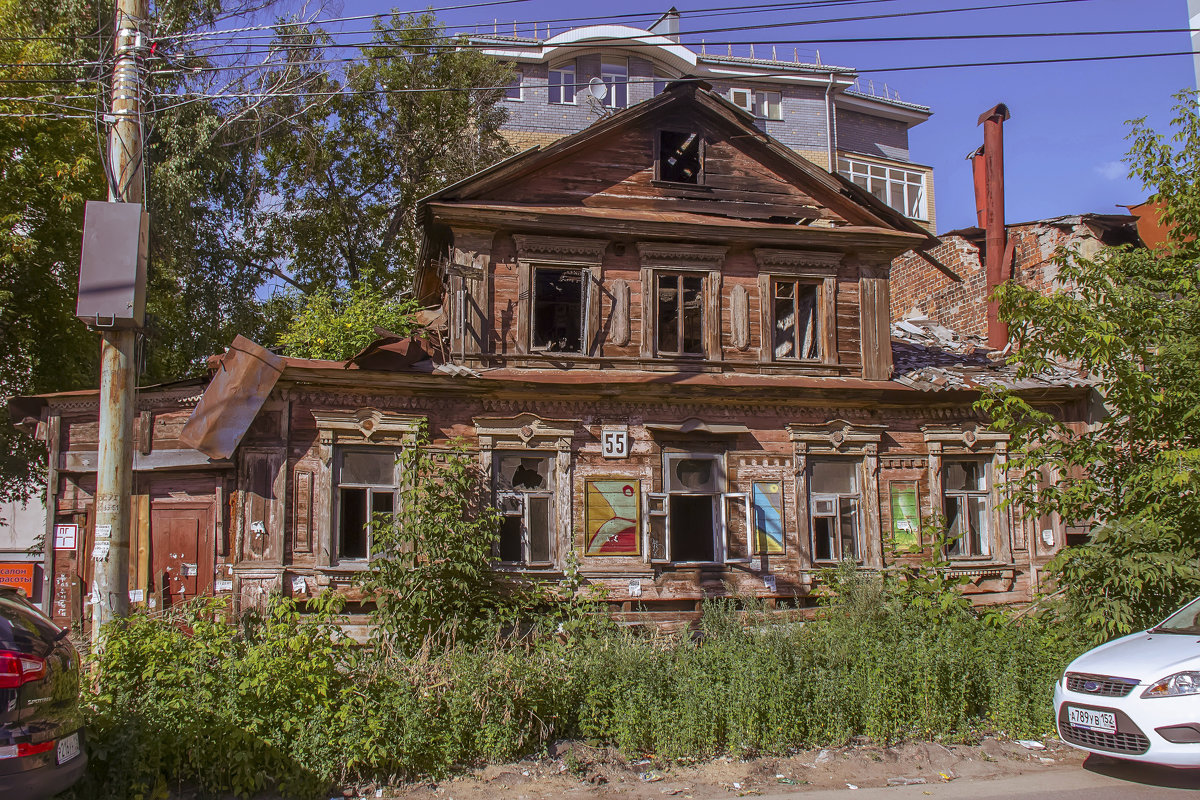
pixel 558 309
pixel 679 158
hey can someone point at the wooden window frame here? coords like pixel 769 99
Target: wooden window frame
pixel 821 314
pixel 550 494
pixel 371 488
pixel 973 442
pixel 704 260
pixel 702 153
pixel 558 252
pixel 964 496
pixel 855 495
pixel 810 266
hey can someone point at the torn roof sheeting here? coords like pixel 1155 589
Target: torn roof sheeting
pixel 932 358
pixel 245 376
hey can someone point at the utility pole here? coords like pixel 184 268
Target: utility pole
pixel 118 371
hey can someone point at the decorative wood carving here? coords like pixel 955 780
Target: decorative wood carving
pixel 740 307
pixel 798 262
pixel 302 524
pixel 620 312
pixel 681 256
pixel 560 250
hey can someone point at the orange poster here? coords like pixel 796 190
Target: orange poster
pixel 18 574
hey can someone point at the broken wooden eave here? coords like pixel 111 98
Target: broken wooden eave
pixel 672 226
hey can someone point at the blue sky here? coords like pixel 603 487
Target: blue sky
pixel 1065 141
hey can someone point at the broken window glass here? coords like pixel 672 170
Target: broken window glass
pixel 833 487
pixel 366 489
pixel 558 310
pixel 524 495
pixel 966 505
pixel 796 321
pixel 680 314
pixel 679 157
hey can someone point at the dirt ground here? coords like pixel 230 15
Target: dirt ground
pixel 574 769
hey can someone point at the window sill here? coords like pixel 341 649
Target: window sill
pixel 680 185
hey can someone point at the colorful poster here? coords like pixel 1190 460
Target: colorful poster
pixel 768 517
pixel 906 517
pixel 613 511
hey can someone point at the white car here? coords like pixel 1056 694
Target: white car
pixel 1137 697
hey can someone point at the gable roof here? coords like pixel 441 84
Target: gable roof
pixel 846 207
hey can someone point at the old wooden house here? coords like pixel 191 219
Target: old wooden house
pixel 668 337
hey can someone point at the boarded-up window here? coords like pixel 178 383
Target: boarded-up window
pixel 797 321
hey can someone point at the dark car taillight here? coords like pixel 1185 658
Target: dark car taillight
pixel 17 669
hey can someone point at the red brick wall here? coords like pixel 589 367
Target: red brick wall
pixel 918 285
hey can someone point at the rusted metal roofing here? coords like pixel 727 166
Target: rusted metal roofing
pixel 931 358
pixel 246 376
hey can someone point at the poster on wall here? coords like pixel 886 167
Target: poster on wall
pixel 612 516
pixel 906 516
pixel 768 517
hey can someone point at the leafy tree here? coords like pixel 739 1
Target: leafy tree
pixel 337 323
pixel 1133 322
pixel 431 573
pixel 414 117
pixel 49 166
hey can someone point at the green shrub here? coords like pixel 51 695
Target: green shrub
pixel 285 701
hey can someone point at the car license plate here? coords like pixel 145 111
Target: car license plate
pixel 1101 721
pixel 68 748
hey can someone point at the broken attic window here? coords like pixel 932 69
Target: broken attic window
pixel 797 325
pixel 558 310
pixel 679 157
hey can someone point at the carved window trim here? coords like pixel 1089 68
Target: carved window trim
pixel 705 261
pixel 559 252
pixel 359 429
pixel 838 438
pixel 532 434
pixel 809 266
pixel 972 442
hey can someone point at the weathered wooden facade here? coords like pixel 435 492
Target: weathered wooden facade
pixel 668 337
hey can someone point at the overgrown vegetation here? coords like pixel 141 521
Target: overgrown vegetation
pixel 285 700
pixel 1132 320
pixel 337 323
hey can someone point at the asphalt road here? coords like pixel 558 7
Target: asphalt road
pixel 1097 780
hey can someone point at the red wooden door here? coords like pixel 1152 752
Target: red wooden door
pixel 181 552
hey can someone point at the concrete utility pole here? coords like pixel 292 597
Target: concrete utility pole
pixel 118 372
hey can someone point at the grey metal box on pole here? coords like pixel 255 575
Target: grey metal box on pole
pixel 112 270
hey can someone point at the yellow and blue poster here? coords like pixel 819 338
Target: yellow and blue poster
pixel 768 517
pixel 611 520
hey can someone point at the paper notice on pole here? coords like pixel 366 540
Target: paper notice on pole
pixel 100 551
pixel 137 595
pixel 103 532
pixel 222 586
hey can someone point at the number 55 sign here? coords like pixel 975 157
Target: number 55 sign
pixel 614 442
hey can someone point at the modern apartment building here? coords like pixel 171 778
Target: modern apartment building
pixel 567 82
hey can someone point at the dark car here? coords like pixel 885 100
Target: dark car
pixel 41 734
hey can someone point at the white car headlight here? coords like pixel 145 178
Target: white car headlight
pixel 1180 683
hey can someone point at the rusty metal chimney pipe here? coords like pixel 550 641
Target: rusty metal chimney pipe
pixel 995 241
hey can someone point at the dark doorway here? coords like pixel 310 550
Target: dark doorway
pixel 692 528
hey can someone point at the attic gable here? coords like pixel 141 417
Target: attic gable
pixel 622 162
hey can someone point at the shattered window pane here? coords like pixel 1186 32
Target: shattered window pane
pixel 796 322
pixel 679 157
pixel 966 504
pixel 525 492
pixel 558 310
pixel 680 314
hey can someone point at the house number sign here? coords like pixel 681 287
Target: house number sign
pixel 614 442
